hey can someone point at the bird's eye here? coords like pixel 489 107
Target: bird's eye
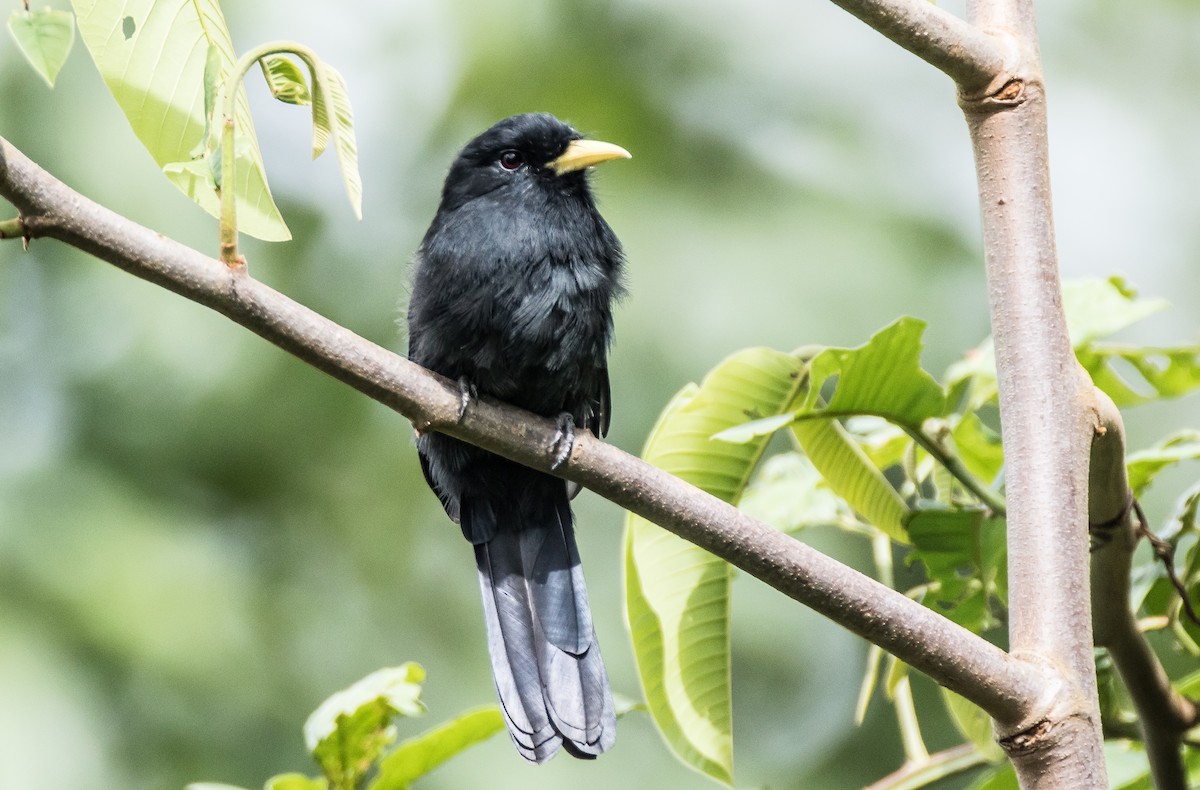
pixel 511 160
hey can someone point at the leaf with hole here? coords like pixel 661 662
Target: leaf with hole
pixel 152 55
pixel 44 38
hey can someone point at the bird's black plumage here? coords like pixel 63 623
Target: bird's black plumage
pixel 512 296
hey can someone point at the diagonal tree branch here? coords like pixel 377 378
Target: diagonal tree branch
pixel 977 60
pixel 1009 689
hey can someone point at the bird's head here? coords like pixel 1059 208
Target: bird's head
pixel 534 150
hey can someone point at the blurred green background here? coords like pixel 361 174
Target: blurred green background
pixel 201 538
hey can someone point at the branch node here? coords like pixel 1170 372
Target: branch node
pixel 1027 741
pixel 1010 87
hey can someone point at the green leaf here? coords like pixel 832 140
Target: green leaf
pixel 1189 685
pixel 415 757
pixel 156 72
pixel 974 724
pixel 964 558
pixel 883 377
pixel 979 447
pixel 755 429
pixel 851 474
pixel 789 494
pixel 212 786
pixel 44 38
pixel 1135 375
pixel 1143 466
pixel 285 79
pixel 1095 309
pixel 350 730
pixel 332 116
pixel 1101 308
pixel 885 444
pixel 296 782
pixel 677 595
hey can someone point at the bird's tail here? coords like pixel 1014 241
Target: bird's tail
pixel 545 659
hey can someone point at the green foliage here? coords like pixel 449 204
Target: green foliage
pixel 350 734
pixel 44 38
pixel 350 730
pixel 964 557
pixel 172 69
pixel 418 756
pixel 152 55
pixel 676 594
pixel 923 479
pixel 849 472
pixel 882 377
pixel 1144 465
pixel 285 80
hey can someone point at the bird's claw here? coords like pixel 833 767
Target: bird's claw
pixel 467 392
pixel 564 441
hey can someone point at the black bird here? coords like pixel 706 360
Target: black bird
pixel 512 296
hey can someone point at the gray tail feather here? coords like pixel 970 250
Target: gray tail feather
pixel 546 662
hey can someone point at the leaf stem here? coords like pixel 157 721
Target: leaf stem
pixel 902 699
pixel 954 465
pixel 229 244
pixel 942 765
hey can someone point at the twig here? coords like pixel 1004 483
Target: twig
pixel 1164 551
pixel 954 465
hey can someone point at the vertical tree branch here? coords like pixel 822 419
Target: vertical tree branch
pixel 1164 714
pixel 1045 426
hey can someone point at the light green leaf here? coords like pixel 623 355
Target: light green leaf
pixel 1144 465
pixel 755 429
pixel 1135 375
pixel 332 116
pixel 296 782
pixel 1101 308
pixel 677 595
pixel 1095 309
pixel 415 757
pixel 789 494
pixel 851 474
pixel 285 79
pixel 883 377
pixel 211 786
pixel 974 724
pixel 152 55
pixel 321 118
pixel 44 38
pixel 979 447
pixel 885 444
pixel 350 730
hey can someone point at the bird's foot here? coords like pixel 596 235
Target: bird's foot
pixel 564 441
pixel 467 392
